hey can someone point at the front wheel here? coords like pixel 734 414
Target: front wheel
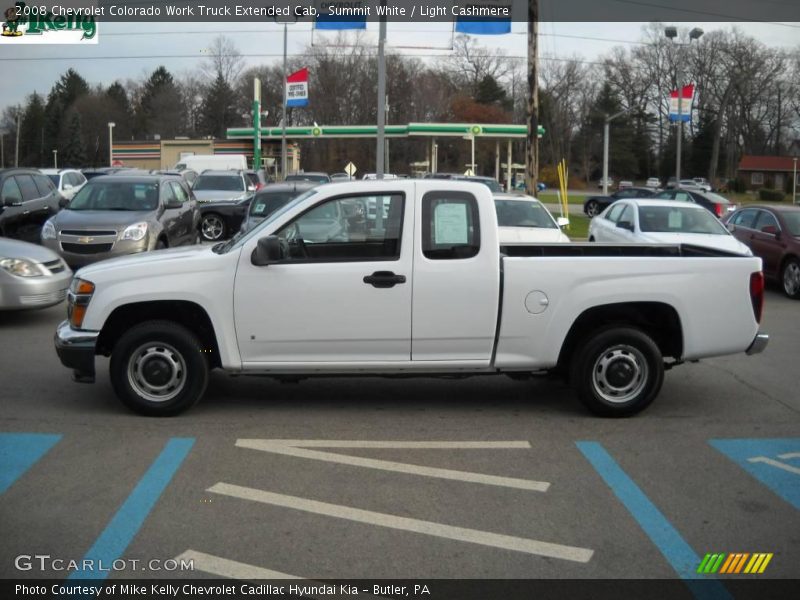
pixel 790 276
pixel 212 228
pixel 158 369
pixel 617 372
pixel 592 208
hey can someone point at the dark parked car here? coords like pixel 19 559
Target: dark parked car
pixel 773 233
pixel 100 171
pixel 27 200
pixel 594 205
pixel 312 176
pixel 271 198
pixel 719 206
pixel 117 215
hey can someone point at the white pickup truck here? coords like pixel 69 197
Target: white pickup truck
pixel 403 278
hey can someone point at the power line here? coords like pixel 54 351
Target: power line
pixel 707 13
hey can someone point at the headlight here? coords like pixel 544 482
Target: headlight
pixel 21 267
pixel 135 232
pixel 48 230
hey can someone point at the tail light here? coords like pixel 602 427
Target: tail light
pixel 719 210
pixel 757 294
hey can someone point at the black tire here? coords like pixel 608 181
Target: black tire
pixel 790 278
pixel 160 244
pixel 592 208
pixel 213 227
pixel 632 362
pixel 169 350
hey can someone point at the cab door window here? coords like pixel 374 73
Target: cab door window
pixel 450 226
pixel 28 187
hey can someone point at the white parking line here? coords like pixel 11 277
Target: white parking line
pixel 474 536
pixel 297 448
pixel 216 565
pixel 223 567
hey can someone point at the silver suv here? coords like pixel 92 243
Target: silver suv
pixel 213 185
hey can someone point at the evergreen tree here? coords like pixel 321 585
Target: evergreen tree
pixel 218 111
pixel 701 147
pixel 32 128
pixel 121 112
pixel 622 156
pixel 69 87
pixel 74 154
pixel 160 110
pixel 490 92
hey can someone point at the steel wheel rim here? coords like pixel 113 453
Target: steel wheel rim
pixel 620 374
pixel 591 209
pixel 157 372
pixel 212 228
pixel 791 278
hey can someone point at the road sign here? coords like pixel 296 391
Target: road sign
pixel 350 169
pixel 469 173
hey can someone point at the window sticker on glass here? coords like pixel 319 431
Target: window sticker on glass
pixel 451 226
pixel 675 219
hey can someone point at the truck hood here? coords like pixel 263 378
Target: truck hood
pixel 175 256
pixel 727 243
pixel 530 235
pixel 99 219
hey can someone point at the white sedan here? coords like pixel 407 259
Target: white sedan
pixel 662 222
pixel 523 219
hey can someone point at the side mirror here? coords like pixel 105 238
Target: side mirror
pixel 562 221
pixel 625 225
pixel 63 202
pixel 267 251
pixel 68 186
pixel 173 203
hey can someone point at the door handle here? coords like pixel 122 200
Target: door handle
pixel 384 279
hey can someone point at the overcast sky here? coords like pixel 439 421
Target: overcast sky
pixel 159 39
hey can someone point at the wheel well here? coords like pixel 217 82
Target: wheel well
pixel 190 315
pixel 659 321
pixel 785 259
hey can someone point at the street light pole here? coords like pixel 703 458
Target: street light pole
pixel 794 183
pixel 55 158
pixel 111 143
pixel 672 34
pixel 381 133
pixel 283 119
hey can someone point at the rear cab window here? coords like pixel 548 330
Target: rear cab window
pixel 450 225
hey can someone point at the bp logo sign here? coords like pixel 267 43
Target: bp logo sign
pixel 316 132
pixel 476 130
pixel 25 24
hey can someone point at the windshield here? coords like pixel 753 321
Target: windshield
pixel 717 198
pixel 265 204
pixel 312 178
pixel 224 247
pixel 116 195
pixel 222 183
pixel 792 221
pixel 519 213
pixel 678 219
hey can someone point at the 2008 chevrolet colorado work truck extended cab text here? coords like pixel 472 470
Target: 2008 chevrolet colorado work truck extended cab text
pixel 404 278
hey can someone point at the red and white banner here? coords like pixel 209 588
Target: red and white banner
pixel 297 88
pixel 686 103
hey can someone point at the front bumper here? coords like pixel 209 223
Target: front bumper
pixel 19 293
pixel 92 253
pixel 759 344
pixel 76 350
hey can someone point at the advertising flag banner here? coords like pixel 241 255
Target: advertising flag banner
pixel 341 14
pixel 297 89
pixel 686 103
pixel 484 17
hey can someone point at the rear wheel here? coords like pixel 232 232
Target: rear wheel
pixel 790 277
pixel 592 208
pixel 617 372
pixel 212 227
pixel 158 369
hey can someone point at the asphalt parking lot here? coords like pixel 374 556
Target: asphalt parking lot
pixel 372 478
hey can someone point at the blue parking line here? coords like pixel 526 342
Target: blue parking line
pixel 681 557
pixel 19 452
pixel 774 462
pixel 124 526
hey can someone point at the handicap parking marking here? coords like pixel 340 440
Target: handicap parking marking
pixel 19 452
pixel 774 462
pixel 123 527
pixel 678 553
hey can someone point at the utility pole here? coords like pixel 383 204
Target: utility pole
pixel 605 147
pixel 381 134
pixel 532 147
pixel 16 148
